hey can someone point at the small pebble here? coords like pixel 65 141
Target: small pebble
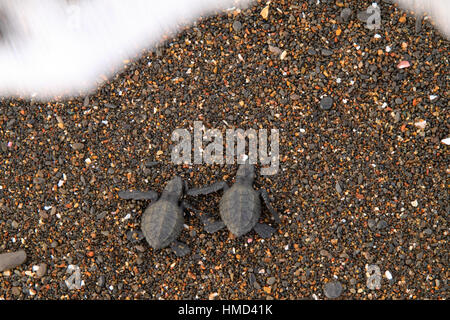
pixel 381 224
pixel 275 50
pixel 11 260
pixel 333 289
pixel 338 187
pixel 403 64
pixel 41 270
pixel 326 52
pixel 15 291
pixel 237 26
pixel 346 13
pixel 388 275
pixel 77 146
pixel 326 103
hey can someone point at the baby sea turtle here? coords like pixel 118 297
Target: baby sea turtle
pixel 240 206
pixel 163 220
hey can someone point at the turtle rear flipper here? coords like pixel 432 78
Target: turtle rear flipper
pixel 179 248
pixel 264 230
pixel 265 197
pixel 138 195
pixel 211 225
pixel 186 205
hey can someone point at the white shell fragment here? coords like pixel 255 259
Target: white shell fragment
pixel 421 124
pixel 388 275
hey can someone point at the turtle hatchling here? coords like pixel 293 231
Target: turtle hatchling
pixel 240 206
pixel 163 220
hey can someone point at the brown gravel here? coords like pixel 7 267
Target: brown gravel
pixel 62 163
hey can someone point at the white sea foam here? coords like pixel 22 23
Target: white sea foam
pixel 56 47
pixel 65 47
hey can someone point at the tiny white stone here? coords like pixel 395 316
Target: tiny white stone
pixel 377 36
pixel 302 130
pixel 421 124
pixel 338 80
pixel 60 183
pixel 388 275
pixel 46 208
pixel 128 216
pixel 88 161
pixel 213 295
pixel 446 141
pixel 432 97
pixel 414 203
pixel 388 49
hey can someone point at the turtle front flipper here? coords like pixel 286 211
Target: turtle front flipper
pixel 264 230
pixel 265 197
pixel 221 185
pixel 138 195
pixel 179 248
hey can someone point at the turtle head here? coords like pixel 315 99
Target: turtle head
pixel 174 189
pixel 246 173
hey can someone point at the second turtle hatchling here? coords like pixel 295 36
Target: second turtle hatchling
pixel 240 206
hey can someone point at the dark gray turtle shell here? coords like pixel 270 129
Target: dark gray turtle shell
pixel 240 209
pixel 161 223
